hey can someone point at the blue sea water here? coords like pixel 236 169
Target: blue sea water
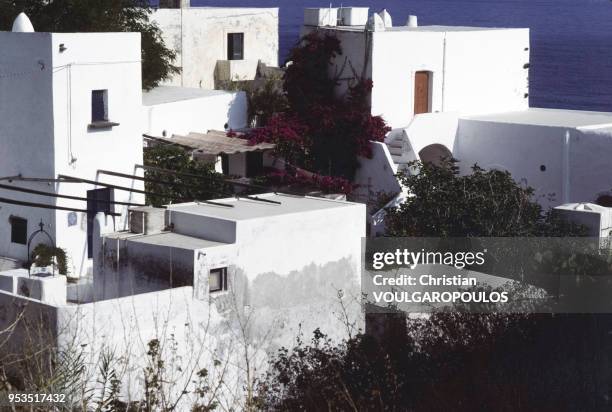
pixel 571 40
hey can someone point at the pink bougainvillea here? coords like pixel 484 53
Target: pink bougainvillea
pixel 321 131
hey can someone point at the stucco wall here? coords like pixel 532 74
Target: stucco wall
pixel 376 175
pixel 45 127
pixel 199 35
pixel 212 112
pixel 576 162
pixel 590 165
pixel 471 71
pixel 26 127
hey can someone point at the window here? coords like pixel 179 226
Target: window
pixel 19 230
pixel 99 106
pixel 217 280
pixel 235 46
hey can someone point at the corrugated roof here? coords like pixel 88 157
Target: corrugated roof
pixel 214 143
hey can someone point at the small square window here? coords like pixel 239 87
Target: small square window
pixel 235 46
pixel 99 106
pixel 217 280
pixel 19 230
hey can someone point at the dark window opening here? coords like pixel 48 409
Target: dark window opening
pixel 99 106
pixel 235 46
pixel 98 200
pixel 604 200
pixel 217 280
pixel 19 230
pixel 225 164
pixel 254 164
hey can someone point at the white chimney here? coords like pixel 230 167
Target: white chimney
pixel 22 24
pixel 386 18
pixel 376 23
pixel 412 21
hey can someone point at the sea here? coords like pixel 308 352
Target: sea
pixel 571 40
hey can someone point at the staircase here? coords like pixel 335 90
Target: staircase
pixel 400 149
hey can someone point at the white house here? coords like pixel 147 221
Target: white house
pixel 420 69
pixel 218 43
pixel 463 92
pixel 220 281
pixel 70 106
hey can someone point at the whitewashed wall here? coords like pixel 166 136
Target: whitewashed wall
pixel 199 35
pixel 576 161
pixel 45 130
pixel 95 61
pixel 26 128
pixel 377 174
pixel 472 71
pixel 212 112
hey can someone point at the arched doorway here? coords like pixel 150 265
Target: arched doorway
pixel 434 153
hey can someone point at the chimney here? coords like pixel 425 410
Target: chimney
pixel 412 21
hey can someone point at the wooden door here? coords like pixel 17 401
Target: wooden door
pixel 421 92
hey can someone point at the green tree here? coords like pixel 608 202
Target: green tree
pixel 174 188
pixel 444 203
pixel 100 16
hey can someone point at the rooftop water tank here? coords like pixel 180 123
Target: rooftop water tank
pixel 327 16
pixel 147 220
pixel 353 16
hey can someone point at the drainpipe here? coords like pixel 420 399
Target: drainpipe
pixel 566 167
pixel 443 70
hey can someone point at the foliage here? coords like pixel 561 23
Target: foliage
pixel 43 255
pixel 320 131
pixel 265 98
pixel 206 183
pixel 326 184
pixel 100 16
pixel 483 203
pixel 449 361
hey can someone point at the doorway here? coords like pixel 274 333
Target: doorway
pixel 98 200
pixel 421 92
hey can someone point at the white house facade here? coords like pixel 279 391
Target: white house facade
pixel 463 92
pixel 69 107
pixel 220 281
pixel 218 43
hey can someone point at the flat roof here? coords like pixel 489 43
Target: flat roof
pixel 169 239
pixel 431 28
pixel 245 209
pixel 170 94
pixel 576 119
pixel 177 240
